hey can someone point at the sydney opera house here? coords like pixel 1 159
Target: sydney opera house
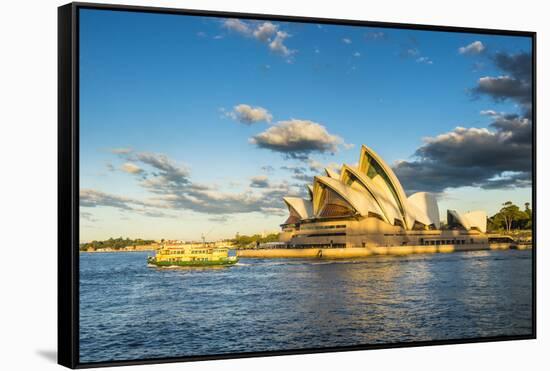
pixel 366 206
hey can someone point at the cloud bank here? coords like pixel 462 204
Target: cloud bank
pixel 172 189
pixel 515 84
pixel 497 157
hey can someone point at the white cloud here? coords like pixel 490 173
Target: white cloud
pixel 278 46
pixel 121 151
pixel 237 25
pixel 265 31
pixel 249 115
pixel 376 35
pixel 476 47
pixel 315 165
pixel 94 198
pixel 410 52
pixel 259 181
pixel 503 87
pixel 165 167
pixel 425 60
pixel 88 216
pixel 489 112
pixel 297 139
pixel 346 40
pixel 131 168
pixel 356 54
pixel 219 218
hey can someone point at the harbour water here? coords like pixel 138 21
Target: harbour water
pixel 131 311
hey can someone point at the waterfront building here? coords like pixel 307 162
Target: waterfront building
pixel 366 206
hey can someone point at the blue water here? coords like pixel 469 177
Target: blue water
pixel 131 311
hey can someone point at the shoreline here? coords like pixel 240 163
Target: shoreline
pixel 116 251
pixel 362 252
pixel 350 252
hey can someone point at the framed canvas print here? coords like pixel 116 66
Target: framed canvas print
pixel 236 185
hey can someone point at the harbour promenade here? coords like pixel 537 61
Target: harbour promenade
pixel 362 252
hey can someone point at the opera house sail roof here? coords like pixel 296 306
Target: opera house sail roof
pixel 372 190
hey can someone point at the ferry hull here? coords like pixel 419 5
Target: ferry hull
pixel 154 262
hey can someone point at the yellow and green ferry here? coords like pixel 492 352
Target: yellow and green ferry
pixel 191 255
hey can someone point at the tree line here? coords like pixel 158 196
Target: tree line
pixel 114 243
pixel 241 241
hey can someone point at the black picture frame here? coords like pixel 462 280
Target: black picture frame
pixel 68 180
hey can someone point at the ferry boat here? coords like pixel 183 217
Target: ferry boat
pixel 191 255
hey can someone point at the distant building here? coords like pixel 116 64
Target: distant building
pixel 367 206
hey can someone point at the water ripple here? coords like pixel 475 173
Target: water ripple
pixel 131 311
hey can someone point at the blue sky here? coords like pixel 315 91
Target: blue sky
pixel 158 97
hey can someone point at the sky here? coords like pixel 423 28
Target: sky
pixel 200 125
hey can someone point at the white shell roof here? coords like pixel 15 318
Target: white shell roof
pixel 310 191
pixel 302 207
pixel 424 208
pixel 389 209
pixel 367 152
pixel 458 218
pixel 472 219
pixel 332 173
pixel 477 219
pixel 360 201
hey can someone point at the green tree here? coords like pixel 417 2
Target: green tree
pixel 509 214
pixel 241 241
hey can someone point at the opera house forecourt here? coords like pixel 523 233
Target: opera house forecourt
pixel 363 210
